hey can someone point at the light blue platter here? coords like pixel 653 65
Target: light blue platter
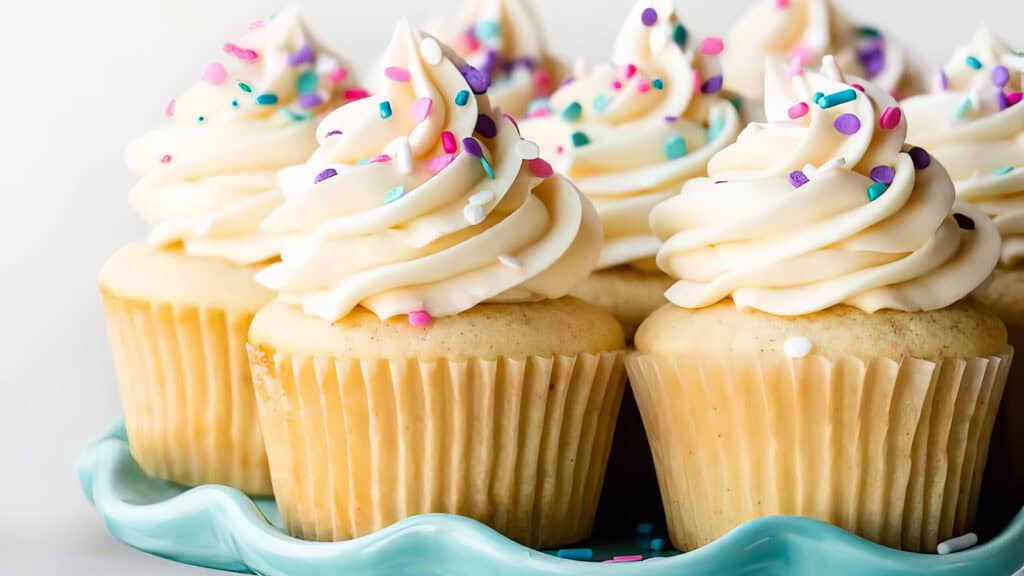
pixel 219 527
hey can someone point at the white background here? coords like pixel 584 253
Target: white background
pixel 78 80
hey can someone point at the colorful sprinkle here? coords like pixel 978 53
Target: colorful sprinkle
pixel 657 544
pixel 385 110
pixel 1000 76
pixel 478 81
pixel 644 529
pixel 540 168
pixel 267 99
pixel 602 102
pixel 379 159
pixel 1004 103
pixel 333 133
pixel 309 100
pixel 338 75
pixel 487 168
pixel 575 553
pixel 630 71
pixel 943 80
pixel 421 108
pixel 616 85
pixel 1003 170
pixel 868 32
pixel 799 110
pixel 782 4
pixel 472 147
pixel 890 118
pixel 397 74
pixel 964 108
pixel 858 87
pixel 712 85
pixel 711 46
pixel 307 82
pixel 675 147
pixel 243 54
pixel 921 158
pixel 527 149
pixel 166 159
pixel 883 174
pixel 579 139
pixel 304 55
pixel 448 142
pixel 328 173
pixel 974 62
pixel 200 119
pixel 658 84
pixel 356 94
pixel 798 178
pixel 643 87
pixel 394 194
pixel 572 112
pixel 837 99
pixel 1014 98
pixel 817 97
pixel 169 109
pixel 419 318
pixel 876 190
pixel 847 124
pixel 462 97
pixel 485 126
pixel 474 213
pixel 487 29
pixel 680 35
pixel 649 17
pixel 215 73
pixel 630 558
pixel 436 165
pixel 963 221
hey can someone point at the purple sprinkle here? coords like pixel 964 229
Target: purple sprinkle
pixel 524 62
pixel 922 159
pixel 671 119
pixel 329 173
pixel 848 124
pixel 490 62
pixel 798 178
pixel 472 147
pixel 568 80
pixel 712 85
pixel 649 16
pixel 333 133
pixel 963 221
pixel 478 81
pixel 304 55
pixel 1000 76
pixel 872 58
pixel 486 127
pixel 943 80
pixel 883 174
pixel 310 100
pixel 1004 102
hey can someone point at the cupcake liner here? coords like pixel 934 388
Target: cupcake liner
pixel 1003 493
pixel 891 451
pixel 189 407
pixel 519 444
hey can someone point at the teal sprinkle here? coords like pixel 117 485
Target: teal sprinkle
pixel 487 168
pixel 579 139
pixel 234 103
pixel 1004 171
pixel 462 97
pixel 868 32
pixel 485 29
pixel 267 99
pixel 657 544
pixel 602 102
pixel 837 98
pixel 680 35
pixel 575 553
pixel 307 82
pixel 737 103
pixel 537 105
pixel 394 194
pixel 716 127
pixel 675 147
pixel 244 87
pixel 974 62
pixel 385 110
pixel 963 108
pixel 876 190
pixel 363 162
pixel 572 112
pixel 201 119
pixel 657 84
pixel 295 116
pixel 645 528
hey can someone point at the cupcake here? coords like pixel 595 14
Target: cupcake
pixel 178 307
pixel 505 40
pixel 802 32
pixel 629 135
pixel 817 357
pixel 422 356
pixel 974 125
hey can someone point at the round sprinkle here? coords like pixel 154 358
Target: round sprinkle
pixel 487 29
pixel 1000 76
pixel 166 159
pixel 333 133
pixel 328 173
pixel 462 98
pixel 963 221
pixel 419 318
pixel 307 82
pixel 675 147
pixel 397 74
pixel 421 108
pixel 837 99
pixel 394 194
pixel 883 174
pixel 356 94
pixel 711 46
pixel 385 110
pixel 215 74
pixel 799 110
pixel 267 99
pixel 797 347
pixel 431 51
pixel 643 87
pixel 602 102
pixel 472 147
pixel 337 75
pixel 630 71
pixel 572 112
pixel 510 261
pixel 658 84
pixel 921 158
pixel 540 168
pixel 486 127
pixel 974 62
pixel 579 139
pixel 657 544
pixel 304 55
pixel 478 81
pixel 876 190
pixel 482 198
pixel 1003 170
pixel 448 142
pixel 310 100
pixel 890 118
pixel 798 178
pixel 200 119
pixel 616 85
pixel 649 17
pixel 712 85
pixel 847 124
pixel 474 213
pixel 527 150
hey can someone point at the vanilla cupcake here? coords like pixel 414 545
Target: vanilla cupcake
pixel 629 135
pixel 817 358
pixel 178 307
pixel 422 356
pixel 974 124
pixel 802 32
pixel 504 39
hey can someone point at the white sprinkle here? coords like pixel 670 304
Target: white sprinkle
pixel 510 261
pixel 810 170
pixel 957 544
pixel 528 150
pixel 403 156
pixel 482 197
pixel 834 163
pixel 474 213
pixel 797 347
pixel 975 97
pixel 431 51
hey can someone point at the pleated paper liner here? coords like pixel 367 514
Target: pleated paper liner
pixel 519 444
pixel 891 451
pixel 187 396
pixel 1003 493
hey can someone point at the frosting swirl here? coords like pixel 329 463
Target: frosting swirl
pixel 823 205
pixel 504 38
pixel 804 31
pixel 630 134
pixel 975 126
pixel 422 201
pixel 209 175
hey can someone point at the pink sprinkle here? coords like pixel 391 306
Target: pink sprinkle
pixel 169 109
pixel 635 558
pixel 421 108
pixel 859 87
pixel 616 85
pixel 697 80
pixel 895 94
pixel 356 93
pixel 419 318
pixel 338 75
pixel 215 73
pixel 559 149
pixel 799 110
pixel 630 70
pixel 380 159
pixel 891 118
pixel 243 54
pixel 1014 98
pixel 542 79
pixel 539 112
pixel 397 74
pixel 643 87
pixel 802 52
pixel 448 142
pixel 782 4
pixel 166 159
pixel 440 163
pixel 540 168
pixel 712 45
pixel 796 67
pixel 471 42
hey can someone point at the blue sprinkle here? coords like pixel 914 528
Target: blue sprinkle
pixel 579 139
pixel 675 147
pixel 716 127
pixel 385 110
pixel 837 99
pixel 964 108
pixel 658 84
pixel 266 99
pixel 394 194
pixel 657 544
pixel 818 96
pixel 462 97
pixel 974 62
pixel 575 553
pixel 876 190
pixel 1003 171
pixel 486 29
pixel 602 102
pixel 487 168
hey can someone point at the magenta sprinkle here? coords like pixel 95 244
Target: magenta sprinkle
pixel 540 168
pixel 858 87
pixel 328 173
pixel 380 159
pixel 356 93
pixel 799 110
pixel 798 178
pixel 1000 76
pixel 243 54
pixel 712 85
pixel 649 17
pixel 1013 98
pixel 921 158
pixel 847 124
pixel 448 142
pixel 304 55
pixel 891 118
pixel 472 147
pixel 478 81
pixel 630 71
pixel 883 174
pixel 166 159
pixel 633 558
pixel 419 318
pixel 486 127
